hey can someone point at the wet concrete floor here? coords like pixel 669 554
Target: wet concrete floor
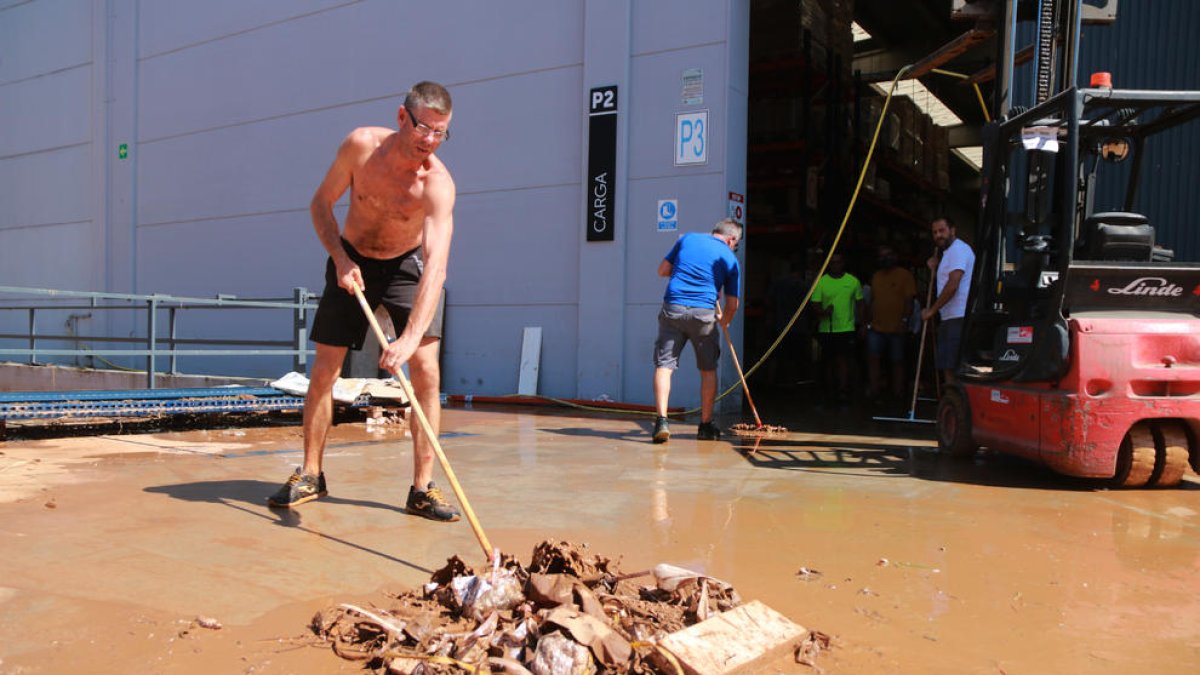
pixel 113 545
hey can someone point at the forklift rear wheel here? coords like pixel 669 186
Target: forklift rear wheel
pixel 1194 449
pixel 954 424
pixel 1172 442
pixel 1135 459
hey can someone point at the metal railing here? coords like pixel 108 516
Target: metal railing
pixel 154 345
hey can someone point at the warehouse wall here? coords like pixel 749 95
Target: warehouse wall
pixel 49 172
pixel 232 111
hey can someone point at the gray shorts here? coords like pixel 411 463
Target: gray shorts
pixel 676 325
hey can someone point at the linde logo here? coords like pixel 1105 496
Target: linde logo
pixel 1155 286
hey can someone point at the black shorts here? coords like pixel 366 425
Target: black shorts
pixel 837 344
pixel 341 322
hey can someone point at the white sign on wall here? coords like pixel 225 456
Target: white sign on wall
pixel 668 215
pixel 693 86
pixel 691 138
pixel 737 208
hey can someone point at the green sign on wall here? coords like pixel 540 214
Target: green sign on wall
pixel 123 150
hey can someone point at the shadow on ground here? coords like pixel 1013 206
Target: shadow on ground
pixel 875 459
pixel 250 496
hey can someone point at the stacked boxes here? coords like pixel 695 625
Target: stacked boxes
pixel 909 138
pixel 783 118
pixel 840 36
pixel 815 20
pixel 787 44
pixel 908 114
pixel 779 27
pixel 940 162
pixel 773 33
pixel 796 144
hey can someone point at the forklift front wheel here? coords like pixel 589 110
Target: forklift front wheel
pixel 954 423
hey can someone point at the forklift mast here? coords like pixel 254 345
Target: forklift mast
pixel 1056 48
pixel 1047 220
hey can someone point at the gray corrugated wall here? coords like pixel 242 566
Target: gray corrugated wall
pixel 1153 45
pixel 231 112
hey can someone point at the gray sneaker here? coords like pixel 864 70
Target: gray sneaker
pixel 300 487
pixel 430 504
pixel 662 431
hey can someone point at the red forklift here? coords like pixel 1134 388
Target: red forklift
pixel 1081 342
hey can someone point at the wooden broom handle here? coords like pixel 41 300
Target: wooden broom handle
pixel 733 353
pixel 427 429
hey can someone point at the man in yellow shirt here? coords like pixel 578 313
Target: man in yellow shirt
pixel 892 291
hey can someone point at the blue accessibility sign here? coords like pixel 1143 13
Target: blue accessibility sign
pixel 668 215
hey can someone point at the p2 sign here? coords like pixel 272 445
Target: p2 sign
pixel 691 138
pixel 601 196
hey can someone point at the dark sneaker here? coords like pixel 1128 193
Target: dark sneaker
pixel 662 432
pixel 299 488
pixel 707 431
pixel 430 504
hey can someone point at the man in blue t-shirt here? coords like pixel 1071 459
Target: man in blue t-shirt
pixel 699 266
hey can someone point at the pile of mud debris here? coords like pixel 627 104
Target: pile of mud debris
pixel 567 612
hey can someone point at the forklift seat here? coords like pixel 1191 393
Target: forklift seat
pixel 1116 235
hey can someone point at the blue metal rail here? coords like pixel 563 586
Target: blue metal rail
pixel 141 403
pixel 152 345
pixel 133 394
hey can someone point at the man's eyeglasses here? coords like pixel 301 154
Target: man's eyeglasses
pixel 425 129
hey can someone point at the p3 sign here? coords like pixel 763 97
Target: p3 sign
pixel 600 198
pixel 691 138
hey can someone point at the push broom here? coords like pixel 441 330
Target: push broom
pixel 759 427
pixel 427 429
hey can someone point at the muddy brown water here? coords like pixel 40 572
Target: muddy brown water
pixel 114 545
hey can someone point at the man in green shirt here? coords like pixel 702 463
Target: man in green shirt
pixel 838 300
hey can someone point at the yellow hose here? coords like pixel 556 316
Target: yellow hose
pixel 837 238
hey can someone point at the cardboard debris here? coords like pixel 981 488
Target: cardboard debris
pixel 345 389
pixel 608 646
pixel 568 611
pixel 740 641
pixel 388 389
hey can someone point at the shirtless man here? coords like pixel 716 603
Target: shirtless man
pixel 395 247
